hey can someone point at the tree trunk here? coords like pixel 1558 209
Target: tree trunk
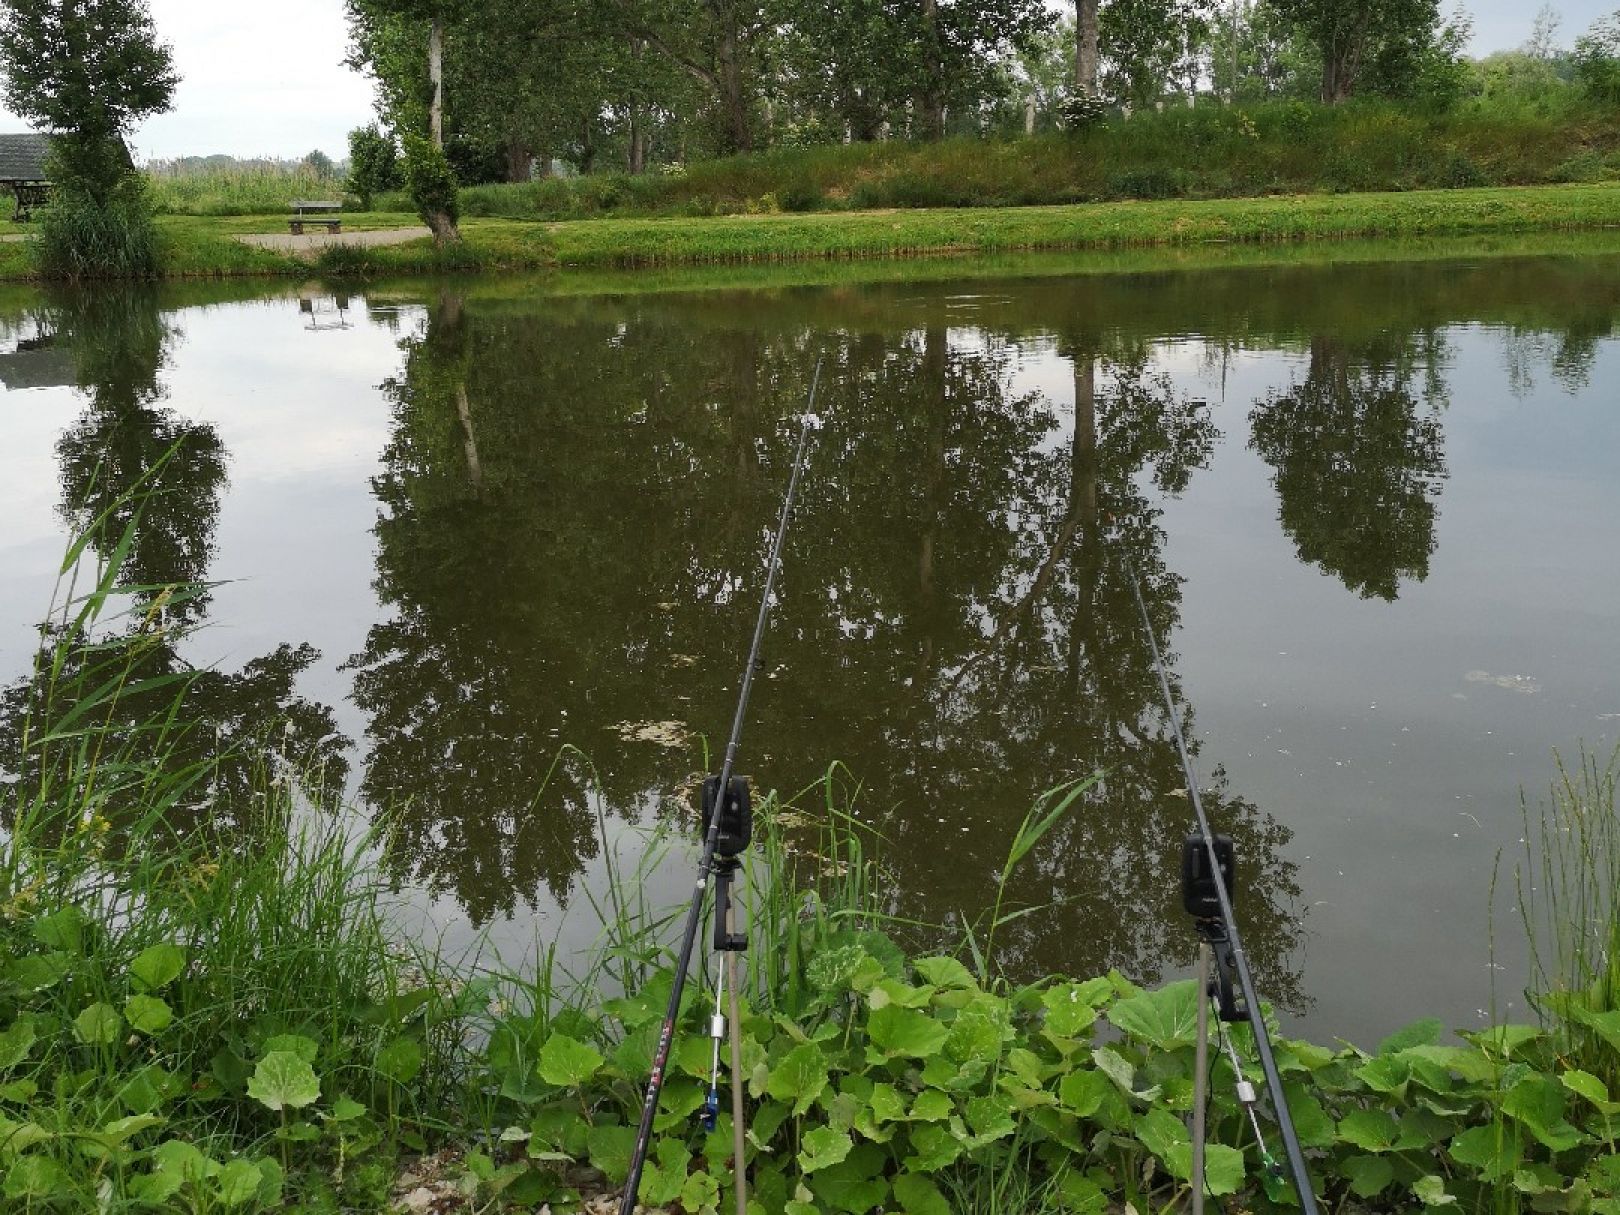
pixel 1085 47
pixel 733 99
pixel 443 228
pixel 519 160
pixel 587 147
pixel 1029 115
pixel 636 156
pixel 930 99
pixel 436 76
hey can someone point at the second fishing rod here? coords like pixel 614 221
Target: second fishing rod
pixel 1207 869
pixel 725 831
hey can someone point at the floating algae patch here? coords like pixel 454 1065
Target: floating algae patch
pixel 659 733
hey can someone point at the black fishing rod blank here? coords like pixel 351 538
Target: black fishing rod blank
pixel 726 827
pixel 1207 867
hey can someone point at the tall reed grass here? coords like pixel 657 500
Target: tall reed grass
pixel 1569 896
pixel 247 190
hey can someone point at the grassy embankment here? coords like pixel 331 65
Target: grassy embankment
pixel 227 1017
pixel 203 246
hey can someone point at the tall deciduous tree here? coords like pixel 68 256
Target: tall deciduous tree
pixel 1355 35
pixel 88 72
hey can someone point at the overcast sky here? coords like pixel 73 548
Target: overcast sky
pixel 267 78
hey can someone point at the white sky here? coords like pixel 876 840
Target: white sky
pixel 266 77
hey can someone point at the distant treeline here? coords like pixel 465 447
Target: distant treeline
pixel 514 87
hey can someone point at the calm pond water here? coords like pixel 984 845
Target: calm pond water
pixel 454 527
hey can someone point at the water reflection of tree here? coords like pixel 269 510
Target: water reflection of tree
pixel 126 452
pixel 1358 460
pixel 133 467
pixel 954 621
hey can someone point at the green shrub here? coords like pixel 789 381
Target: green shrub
pixel 79 239
pixel 373 164
pixel 432 187
pixel 1155 182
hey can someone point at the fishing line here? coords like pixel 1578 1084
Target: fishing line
pixel 725 798
pixel 1300 1175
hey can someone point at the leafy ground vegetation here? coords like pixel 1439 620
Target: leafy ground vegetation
pixel 207 1005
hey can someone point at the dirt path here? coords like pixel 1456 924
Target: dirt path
pixel 314 242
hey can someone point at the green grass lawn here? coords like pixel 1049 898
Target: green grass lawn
pixel 204 245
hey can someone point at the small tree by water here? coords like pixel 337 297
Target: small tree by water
pixel 88 72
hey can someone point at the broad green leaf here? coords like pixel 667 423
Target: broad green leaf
pixel 800 1077
pixel 183 1160
pixel 1431 1191
pixel 148 1014
pixel 1420 1033
pixel 701 1193
pixel 39 971
pixel 1116 1067
pixel 1311 1122
pixel 1166 1018
pixel 853 1186
pixel 400 1060
pixel 346 1109
pixel 1370 1130
pixel 932 1148
pixel 304 1047
pixel 1590 1087
pixel 35 1177
pixel 945 972
pixel 974 1035
pixel 822 1147
pixel 1082 1092
pixel 609 1149
pixel 1386 1074
pixel 19 1091
pixel 567 1063
pixel 98 1025
pixel 1505 1040
pixel 156 967
pixel 18 1137
pixel 156 1188
pixel 15 1043
pixel 1368 1175
pixel 919 1196
pixel 1538 1102
pixel 120 1130
pixel 1071 1008
pixel 1607 1024
pixel 1160 1131
pixel 887 1104
pixel 1493 1150
pixel 283 1081
pixel 989 1118
pixel 238 1183
pixel 905 1032
pixel 1223 1166
pixel 931 1105
pixel 63 929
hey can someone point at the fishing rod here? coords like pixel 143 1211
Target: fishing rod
pixel 727 824
pixel 1207 868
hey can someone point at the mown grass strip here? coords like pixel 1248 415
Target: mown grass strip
pixel 655 242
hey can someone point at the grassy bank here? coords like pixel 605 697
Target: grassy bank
pixel 202 246
pixel 631 242
pixel 1211 151
pixel 222 1014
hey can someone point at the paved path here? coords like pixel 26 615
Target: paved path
pixel 313 242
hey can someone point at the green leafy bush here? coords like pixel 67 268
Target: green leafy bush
pixel 432 187
pixel 373 164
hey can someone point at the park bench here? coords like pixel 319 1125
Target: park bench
pixel 307 212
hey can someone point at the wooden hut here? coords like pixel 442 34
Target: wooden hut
pixel 22 170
